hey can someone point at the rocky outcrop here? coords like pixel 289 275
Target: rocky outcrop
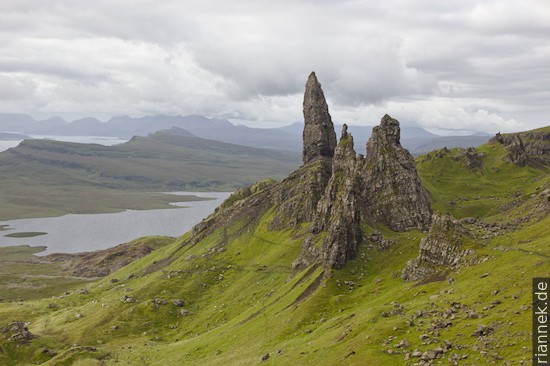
pixel 338 212
pixel 446 246
pixel 514 144
pixel 17 331
pixel 393 192
pixel 517 154
pixel 319 136
pixel 526 147
pixel 472 158
pixel 334 190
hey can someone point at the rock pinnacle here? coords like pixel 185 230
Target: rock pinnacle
pixel 319 136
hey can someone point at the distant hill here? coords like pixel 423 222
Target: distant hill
pixel 415 139
pixel 126 127
pixel 287 138
pixel 12 136
pixel 16 122
pixel 53 177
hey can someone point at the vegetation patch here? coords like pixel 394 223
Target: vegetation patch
pixel 27 234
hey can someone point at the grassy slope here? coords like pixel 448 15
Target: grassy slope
pixel 24 276
pixel 245 302
pixel 45 178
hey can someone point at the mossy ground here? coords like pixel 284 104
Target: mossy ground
pixel 243 301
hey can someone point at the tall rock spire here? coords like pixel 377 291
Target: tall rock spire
pixel 319 136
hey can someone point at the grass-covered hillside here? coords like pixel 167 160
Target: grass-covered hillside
pixel 41 177
pixel 233 299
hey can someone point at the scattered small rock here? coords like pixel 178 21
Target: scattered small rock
pixel 428 355
pixel 482 330
pixel 265 357
pixel 403 344
pixel 178 302
pixel 127 298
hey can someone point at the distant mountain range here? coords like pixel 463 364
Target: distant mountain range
pixel 287 138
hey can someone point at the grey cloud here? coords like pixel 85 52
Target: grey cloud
pixel 249 59
pixel 16 87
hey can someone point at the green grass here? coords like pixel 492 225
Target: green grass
pixel 478 192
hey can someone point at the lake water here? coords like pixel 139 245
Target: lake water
pixel 101 140
pixel 83 233
pixel 6 144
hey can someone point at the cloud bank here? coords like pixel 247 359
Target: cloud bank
pixel 478 65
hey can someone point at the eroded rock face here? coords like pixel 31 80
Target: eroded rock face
pixel 526 147
pixel 319 136
pixel 446 245
pixel 338 213
pixel 297 196
pixel 517 154
pixel 393 192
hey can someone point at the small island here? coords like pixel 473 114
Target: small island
pixel 27 234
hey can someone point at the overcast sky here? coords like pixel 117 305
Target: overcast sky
pixel 473 65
